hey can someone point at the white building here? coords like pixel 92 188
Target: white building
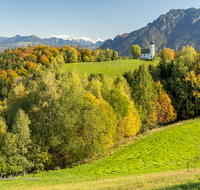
pixel 148 53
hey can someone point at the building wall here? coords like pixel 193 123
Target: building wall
pixel 145 56
pixel 152 51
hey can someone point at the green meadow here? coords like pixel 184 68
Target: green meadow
pixel 157 159
pixel 112 69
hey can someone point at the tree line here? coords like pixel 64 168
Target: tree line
pixel 21 62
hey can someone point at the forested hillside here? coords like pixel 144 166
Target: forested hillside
pixel 51 118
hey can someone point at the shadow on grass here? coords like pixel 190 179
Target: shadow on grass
pixel 191 186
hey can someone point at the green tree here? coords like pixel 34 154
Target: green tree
pixel 135 50
pixel 88 124
pixel 119 103
pixel 72 55
pixel 21 131
pixel 115 55
pixel 108 54
pixel 188 56
pixel 144 95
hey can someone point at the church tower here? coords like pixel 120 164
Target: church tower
pixel 152 49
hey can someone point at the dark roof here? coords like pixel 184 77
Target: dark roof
pixel 152 42
pixel 145 51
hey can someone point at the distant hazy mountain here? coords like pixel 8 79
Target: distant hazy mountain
pixel 83 40
pixel 21 41
pixel 177 28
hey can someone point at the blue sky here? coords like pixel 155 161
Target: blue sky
pixel 82 18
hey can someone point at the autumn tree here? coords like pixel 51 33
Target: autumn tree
pixel 87 55
pixel 166 112
pixel 135 50
pixel 115 55
pixel 194 79
pixel 187 56
pixel 108 54
pixel 167 54
pixel 71 53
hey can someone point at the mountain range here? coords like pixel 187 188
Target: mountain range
pixel 175 29
pixel 20 41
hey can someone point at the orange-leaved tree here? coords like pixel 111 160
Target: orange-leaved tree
pixel 167 54
pixel 166 112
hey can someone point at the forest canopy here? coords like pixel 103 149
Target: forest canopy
pixel 51 118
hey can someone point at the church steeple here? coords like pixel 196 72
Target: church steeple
pixel 152 49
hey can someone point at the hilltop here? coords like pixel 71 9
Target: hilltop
pixel 175 29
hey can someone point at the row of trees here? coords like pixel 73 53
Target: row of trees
pixel 179 74
pixel 18 63
pixel 74 54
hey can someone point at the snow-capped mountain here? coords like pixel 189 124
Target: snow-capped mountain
pixel 56 40
pixel 81 39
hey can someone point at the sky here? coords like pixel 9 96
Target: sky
pixel 93 19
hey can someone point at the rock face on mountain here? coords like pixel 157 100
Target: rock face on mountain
pixel 177 28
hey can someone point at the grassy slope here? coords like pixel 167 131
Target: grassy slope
pixel 112 69
pixel 166 149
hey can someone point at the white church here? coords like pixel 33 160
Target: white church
pixel 148 53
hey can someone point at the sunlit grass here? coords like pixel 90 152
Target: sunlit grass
pixel 112 69
pixel 169 180
pixel 135 163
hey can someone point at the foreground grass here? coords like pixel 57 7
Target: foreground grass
pixel 135 163
pixel 163 180
pixel 112 69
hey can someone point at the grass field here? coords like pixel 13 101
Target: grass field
pixel 112 69
pixel 154 160
pixel 158 181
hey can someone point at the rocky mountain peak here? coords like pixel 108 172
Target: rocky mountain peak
pixel 175 29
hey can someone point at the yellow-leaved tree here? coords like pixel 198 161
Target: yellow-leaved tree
pixel 131 121
pixel 194 79
pixel 167 54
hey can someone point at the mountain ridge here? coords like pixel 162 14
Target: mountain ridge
pixel 175 29
pixel 22 41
